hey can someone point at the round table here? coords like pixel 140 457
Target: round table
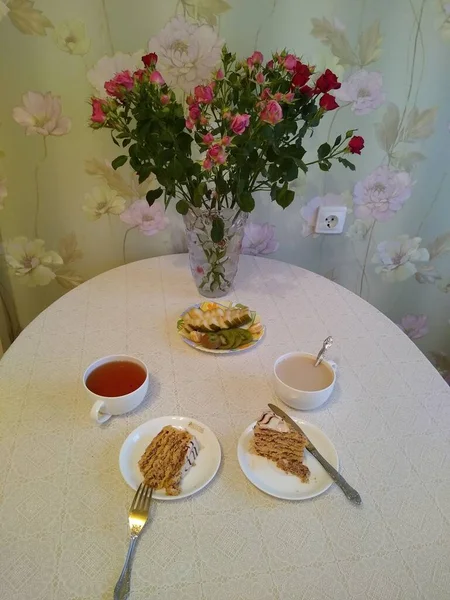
pixel 64 505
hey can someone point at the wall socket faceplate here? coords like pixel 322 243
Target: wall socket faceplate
pixel 331 219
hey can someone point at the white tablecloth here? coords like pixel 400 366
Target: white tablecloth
pixel 63 516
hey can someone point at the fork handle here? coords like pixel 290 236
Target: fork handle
pixel 122 589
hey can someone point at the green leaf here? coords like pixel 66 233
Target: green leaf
pixel 199 192
pixel 119 161
pixel 346 163
pixel 323 150
pixel 125 143
pixel 337 141
pixel 387 131
pixel 114 139
pixel 144 173
pixel 153 195
pixel 246 202
pixel 285 196
pixel 182 207
pixel 217 230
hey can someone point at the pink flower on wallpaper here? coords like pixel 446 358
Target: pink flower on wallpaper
pixel 363 90
pixel 259 239
pixel 148 219
pixel 415 326
pixel 310 210
pixel 381 194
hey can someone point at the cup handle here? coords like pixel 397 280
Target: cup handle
pixel 333 365
pixel 97 415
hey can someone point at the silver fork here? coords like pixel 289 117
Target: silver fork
pixel 137 518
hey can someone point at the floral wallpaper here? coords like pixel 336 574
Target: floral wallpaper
pixel 67 215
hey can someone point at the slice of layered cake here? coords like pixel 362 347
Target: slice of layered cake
pixel 274 439
pixel 168 458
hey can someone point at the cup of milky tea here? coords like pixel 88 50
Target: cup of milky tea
pixel 301 385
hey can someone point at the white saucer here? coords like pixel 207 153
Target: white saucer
pixel 266 476
pixel 206 465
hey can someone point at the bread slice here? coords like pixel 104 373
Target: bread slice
pixel 274 439
pixel 168 458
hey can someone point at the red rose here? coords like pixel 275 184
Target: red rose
pixel 356 144
pixel 328 102
pixel 302 74
pixel 150 59
pixel 327 81
pixel 307 90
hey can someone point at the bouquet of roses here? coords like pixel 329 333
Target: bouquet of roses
pixel 238 134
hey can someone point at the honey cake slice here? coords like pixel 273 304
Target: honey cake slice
pixel 274 439
pixel 168 458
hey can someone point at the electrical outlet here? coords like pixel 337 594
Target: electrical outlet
pixel 331 219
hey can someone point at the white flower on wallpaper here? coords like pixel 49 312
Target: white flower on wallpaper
pixel 3 192
pixel 148 219
pixel 415 326
pixel 41 114
pixel 70 36
pixel 208 10
pixel 381 194
pixel 30 261
pixel 364 90
pixel 108 66
pixel 103 201
pixel 396 260
pixel 259 239
pixel 187 52
pixel 28 19
pixel 4 10
pixel 357 230
pixel 443 21
pixel 309 211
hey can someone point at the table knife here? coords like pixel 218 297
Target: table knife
pixel 350 492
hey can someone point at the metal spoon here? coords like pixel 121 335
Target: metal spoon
pixel 326 344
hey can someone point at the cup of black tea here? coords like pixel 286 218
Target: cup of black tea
pixel 116 384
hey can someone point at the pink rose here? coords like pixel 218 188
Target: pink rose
pixel 255 59
pixel 289 62
pixel 190 100
pixel 203 120
pixel 227 115
pixel 220 74
pixel 139 74
pixel 269 64
pixel 119 83
pixel 189 124
pixel 265 94
pixel 271 113
pixel 207 164
pixel 259 78
pixel 156 77
pixel 240 123
pixel 208 138
pixel 216 154
pixel 204 94
pixel 98 116
pixel 289 97
pixel 165 99
pixel 194 112
pixel 226 140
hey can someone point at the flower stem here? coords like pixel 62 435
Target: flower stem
pixel 36 183
pixel 363 274
pixel 125 241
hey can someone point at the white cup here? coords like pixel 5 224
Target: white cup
pixel 297 398
pixel 104 407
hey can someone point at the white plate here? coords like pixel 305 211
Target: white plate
pixel 206 465
pixel 266 476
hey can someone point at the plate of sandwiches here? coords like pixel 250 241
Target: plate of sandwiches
pixel 176 456
pixel 274 458
pixel 220 328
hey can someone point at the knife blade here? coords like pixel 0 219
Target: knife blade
pixel 350 492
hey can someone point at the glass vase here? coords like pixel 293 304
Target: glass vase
pixel 214 265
